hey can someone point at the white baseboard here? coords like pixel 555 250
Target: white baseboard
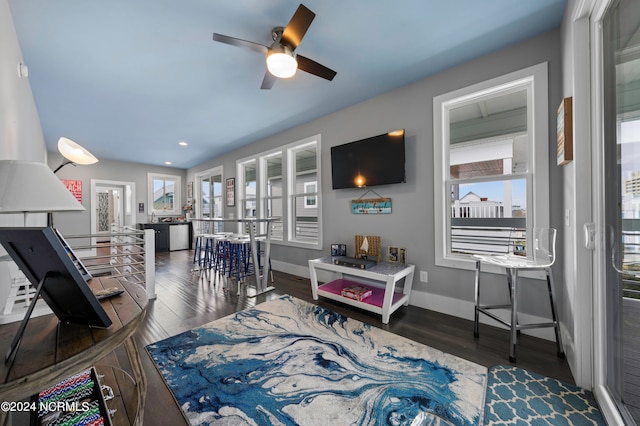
pixel 465 309
pixel 446 305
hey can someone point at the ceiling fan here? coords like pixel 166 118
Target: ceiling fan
pixel 281 60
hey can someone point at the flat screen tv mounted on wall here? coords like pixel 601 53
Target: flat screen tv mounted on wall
pixel 49 265
pixel 378 160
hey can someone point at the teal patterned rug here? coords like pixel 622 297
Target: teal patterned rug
pixel 520 397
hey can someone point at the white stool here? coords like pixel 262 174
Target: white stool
pixel 540 256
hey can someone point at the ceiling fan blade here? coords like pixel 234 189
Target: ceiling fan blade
pixel 268 81
pixel 312 67
pixel 297 27
pixel 240 43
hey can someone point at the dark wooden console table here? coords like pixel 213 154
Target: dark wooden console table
pixel 51 351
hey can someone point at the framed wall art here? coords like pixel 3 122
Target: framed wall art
pixel 190 190
pixel 371 206
pixel 231 192
pixel 565 131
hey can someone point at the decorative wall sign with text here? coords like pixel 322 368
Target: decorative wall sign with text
pixel 371 206
pixel 75 186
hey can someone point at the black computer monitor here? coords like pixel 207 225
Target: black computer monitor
pixel 49 265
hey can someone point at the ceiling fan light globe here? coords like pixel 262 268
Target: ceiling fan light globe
pixel 282 65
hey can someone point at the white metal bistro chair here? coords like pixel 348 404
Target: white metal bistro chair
pixel 540 256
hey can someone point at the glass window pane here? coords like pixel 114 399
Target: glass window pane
pixel 249 190
pixel 310 188
pixel 163 194
pixel 305 221
pixel 495 157
pixel 304 206
pixel 205 206
pixel 273 208
pixel 495 199
pixel 306 159
pixel 488 217
pixel 274 182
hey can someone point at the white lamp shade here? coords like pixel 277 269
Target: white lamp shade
pixel 74 152
pixel 32 187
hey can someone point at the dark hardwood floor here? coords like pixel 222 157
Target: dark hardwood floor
pixel 186 300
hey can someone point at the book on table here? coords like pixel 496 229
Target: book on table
pixel 356 292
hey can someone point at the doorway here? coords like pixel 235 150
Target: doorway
pixel 109 208
pixel 111 204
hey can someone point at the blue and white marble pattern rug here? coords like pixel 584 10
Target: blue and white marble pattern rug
pixel 288 362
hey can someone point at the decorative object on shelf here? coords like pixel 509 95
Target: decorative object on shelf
pixel 338 249
pixel 231 192
pixel 396 254
pixel 378 205
pixel 364 247
pixel 368 246
pixel 565 131
pixel 356 292
pixel 353 262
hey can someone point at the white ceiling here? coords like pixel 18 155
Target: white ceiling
pixel 129 79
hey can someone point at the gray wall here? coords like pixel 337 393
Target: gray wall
pixel 79 223
pixel 411 223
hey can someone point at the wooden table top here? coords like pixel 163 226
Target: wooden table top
pixel 51 351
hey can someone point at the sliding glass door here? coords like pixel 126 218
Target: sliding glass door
pixel 621 263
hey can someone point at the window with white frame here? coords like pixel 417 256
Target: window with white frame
pixel 164 194
pixel 490 166
pixel 284 184
pixel 304 193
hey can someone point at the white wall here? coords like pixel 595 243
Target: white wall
pixel 20 132
pixel 577 301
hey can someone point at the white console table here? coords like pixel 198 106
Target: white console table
pixel 385 299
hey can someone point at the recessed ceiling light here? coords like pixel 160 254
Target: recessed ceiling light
pixel 182 143
pixel 167 162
